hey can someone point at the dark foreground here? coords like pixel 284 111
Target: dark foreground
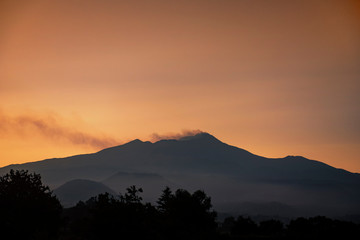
pixel 30 211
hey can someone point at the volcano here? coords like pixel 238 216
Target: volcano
pixel 238 181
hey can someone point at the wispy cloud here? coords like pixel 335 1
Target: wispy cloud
pixel 184 133
pixel 51 127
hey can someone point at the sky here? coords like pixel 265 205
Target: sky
pixel 274 77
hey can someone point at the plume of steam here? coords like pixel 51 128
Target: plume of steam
pixel 184 133
pixel 49 127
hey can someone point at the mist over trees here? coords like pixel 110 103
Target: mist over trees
pixel 29 210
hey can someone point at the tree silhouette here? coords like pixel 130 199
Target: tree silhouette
pixel 187 216
pixel 132 195
pixel 164 200
pixel 320 226
pixel 271 228
pixel 244 226
pixel 28 210
pixel 111 217
pixel 27 207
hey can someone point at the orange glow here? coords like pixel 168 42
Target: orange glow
pixel 274 77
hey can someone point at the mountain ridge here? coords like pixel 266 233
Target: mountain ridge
pixel 137 142
pixel 204 162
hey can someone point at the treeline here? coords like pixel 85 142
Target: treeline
pixel 30 211
pixel 319 227
pixel 178 215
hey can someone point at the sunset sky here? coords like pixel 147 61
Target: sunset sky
pixel 276 78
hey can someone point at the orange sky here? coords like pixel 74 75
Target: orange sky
pixel 274 77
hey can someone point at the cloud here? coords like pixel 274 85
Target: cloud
pixel 49 126
pixel 184 133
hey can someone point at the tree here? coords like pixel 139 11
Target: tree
pixel 320 226
pixel 114 217
pixel 187 216
pixel 164 200
pixel 179 215
pixel 28 208
pixel 271 227
pixel 244 226
pixel 132 195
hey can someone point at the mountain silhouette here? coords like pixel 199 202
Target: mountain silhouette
pixel 231 175
pixel 80 190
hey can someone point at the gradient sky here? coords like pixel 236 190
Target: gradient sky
pixel 274 77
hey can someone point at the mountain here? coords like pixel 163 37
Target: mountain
pixel 77 190
pixel 231 176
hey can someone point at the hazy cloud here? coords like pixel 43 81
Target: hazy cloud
pixel 50 127
pixel 184 133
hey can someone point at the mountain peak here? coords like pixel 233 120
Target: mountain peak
pixel 203 136
pixel 136 141
pixel 132 144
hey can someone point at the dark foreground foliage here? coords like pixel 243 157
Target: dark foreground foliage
pixel 319 227
pixel 30 211
pixel 179 215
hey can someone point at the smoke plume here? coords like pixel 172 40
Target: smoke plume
pixel 50 127
pixel 185 133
